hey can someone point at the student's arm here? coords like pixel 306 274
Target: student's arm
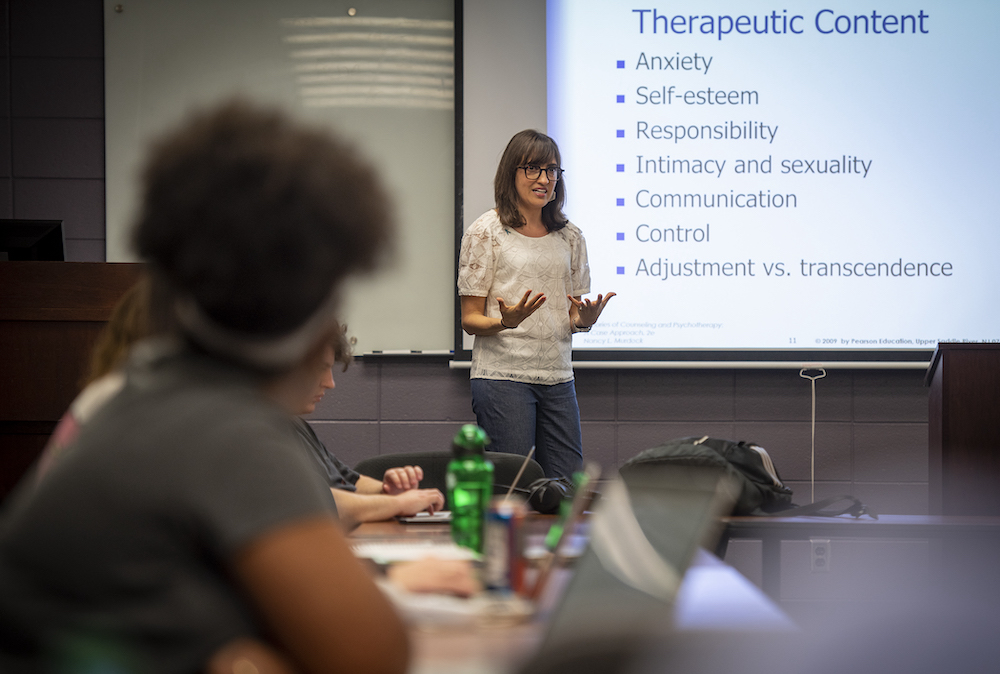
pixel 355 508
pixel 318 602
pixel 245 653
pixel 367 485
pixel 395 481
pixel 444 576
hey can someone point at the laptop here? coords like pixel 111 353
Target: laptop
pixel 644 534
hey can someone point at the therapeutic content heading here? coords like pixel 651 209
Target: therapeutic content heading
pixel 824 21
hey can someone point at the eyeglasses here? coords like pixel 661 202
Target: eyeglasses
pixel 532 172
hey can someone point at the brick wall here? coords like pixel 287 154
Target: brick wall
pixel 871 426
pixel 52 130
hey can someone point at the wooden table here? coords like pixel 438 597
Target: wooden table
pixel 713 597
pixel 771 531
pixel 460 649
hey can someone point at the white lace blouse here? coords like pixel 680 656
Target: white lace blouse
pixel 498 261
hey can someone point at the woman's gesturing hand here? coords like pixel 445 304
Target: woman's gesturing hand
pixel 588 312
pixel 511 316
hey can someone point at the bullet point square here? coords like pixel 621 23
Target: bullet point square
pixel 620 168
pixel 620 236
pixel 621 98
pixel 619 202
pixel 621 64
pixel 620 133
pixel 621 271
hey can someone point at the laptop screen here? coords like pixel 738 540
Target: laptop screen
pixel 645 531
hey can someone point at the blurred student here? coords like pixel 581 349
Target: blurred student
pixel 129 322
pixel 359 498
pixel 186 530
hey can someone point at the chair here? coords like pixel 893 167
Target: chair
pixel 435 466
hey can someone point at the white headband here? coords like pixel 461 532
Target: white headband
pixel 271 353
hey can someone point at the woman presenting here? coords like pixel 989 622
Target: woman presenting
pixel 522 273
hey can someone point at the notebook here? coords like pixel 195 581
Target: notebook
pixel 387 552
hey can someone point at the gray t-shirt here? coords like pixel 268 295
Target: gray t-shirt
pixel 336 473
pixel 125 549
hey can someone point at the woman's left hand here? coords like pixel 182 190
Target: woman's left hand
pixel 588 312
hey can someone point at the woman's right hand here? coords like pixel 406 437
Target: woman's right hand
pixel 512 316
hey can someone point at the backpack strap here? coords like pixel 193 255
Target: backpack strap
pixel 848 505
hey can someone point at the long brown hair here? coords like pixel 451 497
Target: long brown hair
pixel 342 348
pixel 129 323
pixel 527 147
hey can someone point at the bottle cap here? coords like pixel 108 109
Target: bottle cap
pixel 470 439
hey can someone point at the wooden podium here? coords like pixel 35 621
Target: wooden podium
pixel 964 429
pixel 50 314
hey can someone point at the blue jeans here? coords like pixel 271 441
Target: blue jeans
pixel 517 415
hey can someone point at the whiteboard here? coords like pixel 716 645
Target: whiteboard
pixel 381 73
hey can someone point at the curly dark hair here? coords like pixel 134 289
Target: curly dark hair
pixel 527 147
pixel 258 219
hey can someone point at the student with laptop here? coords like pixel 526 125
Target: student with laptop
pixel 359 498
pixel 186 531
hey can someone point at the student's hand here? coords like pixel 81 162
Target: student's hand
pixel 445 576
pixel 249 655
pixel 588 312
pixel 513 316
pixel 397 480
pixel 418 500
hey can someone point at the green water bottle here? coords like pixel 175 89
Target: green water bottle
pixel 470 486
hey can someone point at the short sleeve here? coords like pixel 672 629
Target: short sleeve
pixel 337 474
pixel 349 475
pixel 476 260
pixel 251 479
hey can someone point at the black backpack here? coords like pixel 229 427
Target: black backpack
pixel 761 490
